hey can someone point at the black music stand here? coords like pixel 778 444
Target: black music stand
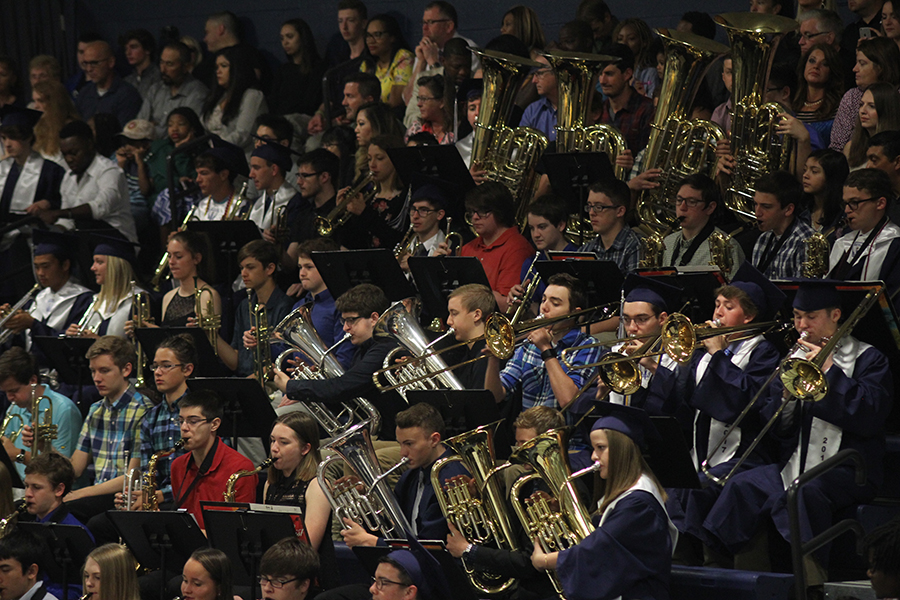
pixel 441 165
pixel 670 457
pixel 226 238
pixel 67 548
pixel 437 276
pixel 462 410
pixel 67 354
pixel 241 532
pixel 572 173
pixel 248 410
pixel 602 278
pixel 346 269
pixel 159 540
pixel 698 285
pixel 208 364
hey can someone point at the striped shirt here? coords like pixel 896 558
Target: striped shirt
pixel 788 262
pixel 111 429
pixel 625 250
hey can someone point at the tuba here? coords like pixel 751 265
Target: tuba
pixel 508 153
pixel 44 429
pixel 397 323
pixel 677 145
pixel 483 520
pixel 756 146
pixel 5 334
pixel 230 492
pixel 148 480
pixel 376 508
pixel 297 331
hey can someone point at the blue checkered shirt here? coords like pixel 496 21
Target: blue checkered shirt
pixel 526 368
pixel 159 432
pixel 110 430
pixel 791 256
pixel 625 250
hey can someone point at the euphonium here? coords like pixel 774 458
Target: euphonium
pixel 678 145
pixel 209 321
pixel 44 429
pixel 376 508
pixel 230 492
pixel 5 334
pixel 239 207
pixel 398 324
pixel 548 456
pixel 507 153
pixel 163 265
pixel 482 520
pixel 755 144
pixel 148 482
pixel 298 332
pixel 326 225
pixel 140 314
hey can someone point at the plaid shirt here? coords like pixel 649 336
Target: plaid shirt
pixel 625 250
pixel 110 430
pixel 526 368
pixel 633 120
pixel 791 256
pixel 159 432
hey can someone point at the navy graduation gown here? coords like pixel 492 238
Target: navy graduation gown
pixel 629 555
pixel 431 523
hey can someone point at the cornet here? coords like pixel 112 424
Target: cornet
pixel 163 266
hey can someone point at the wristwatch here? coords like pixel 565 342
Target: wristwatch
pixel 20 457
pixel 548 354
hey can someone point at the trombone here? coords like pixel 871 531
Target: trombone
pixel 802 379
pixel 681 338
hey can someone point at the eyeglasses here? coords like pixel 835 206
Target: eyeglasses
pixel 639 320
pixel 191 422
pixel 380 582
pixel 165 368
pixel 308 175
pixel 854 204
pixel 430 23
pixel 478 213
pixel 375 34
pixel 809 36
pixel 691 202
pixel 421 211
pixel 597 207
pixel 542 72
pixel 424 98
pixel 350 320
pixel 275 583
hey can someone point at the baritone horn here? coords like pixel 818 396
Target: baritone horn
pixel 755 144
pixel 678 145
pixel 482 518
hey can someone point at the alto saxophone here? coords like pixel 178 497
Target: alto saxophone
pixel 148 481
pixel 230 493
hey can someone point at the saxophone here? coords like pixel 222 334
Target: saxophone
pixel 229 493
pixel 8 523
pixel 148 481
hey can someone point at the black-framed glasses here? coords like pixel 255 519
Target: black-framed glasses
pixel 275 583
pixel 809 36
pixel 599 208
pixel 542 72
pixel 191 422
pixel 165 368
pixel 639 320
pixel 478 213
pixel 431 22
pixel 422 211
pixel 308 175
pixel 375 34
pixel 380 582
pixel 350 320
pixel 691 202
pixel 854 204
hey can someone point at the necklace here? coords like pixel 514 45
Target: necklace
pixel 814 103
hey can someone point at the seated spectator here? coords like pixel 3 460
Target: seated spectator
pixel 575 36
pixel 455 66
pixel 541 114
pixel 819 89
pixel 140 47
pixel 635 34
pixel 182 126
pixel 879 110
pixel 393 60
pixel 105 92
pixel 235 102
pixel 176 88
pixel 434 113
pixel 43 67
pixel 223 30
pixel 297 88
pixel 625 108
pixel 10 92
pixel 51 98
pixel 134 144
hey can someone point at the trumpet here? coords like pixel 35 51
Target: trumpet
pixel 681 338
pixel 339 215
pixel 140 315
pixel 408 245
pixel 92 309
pixel 230 493
pixel 449 236
pixel 281 231
pixel 238 208
pixel 259 321
pixel 44 429
pixel 163 264
pixel 5 334
pixel 210 321
pixel 522 303
pixel 132 483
